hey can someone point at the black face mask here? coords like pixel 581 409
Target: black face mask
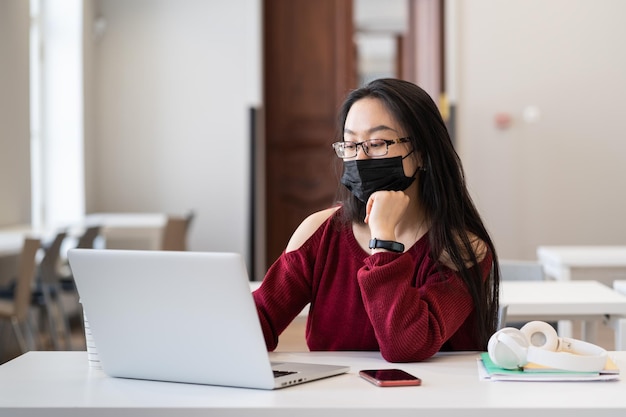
pixel 364 177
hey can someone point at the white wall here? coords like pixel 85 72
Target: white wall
pixel 170 85
pixel 559 180
pixel 15 198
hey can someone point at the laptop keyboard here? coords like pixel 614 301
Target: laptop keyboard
pixel 283 373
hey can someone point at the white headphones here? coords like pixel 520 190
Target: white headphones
pixel 537 342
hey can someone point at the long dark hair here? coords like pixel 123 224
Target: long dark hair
pixel 454 220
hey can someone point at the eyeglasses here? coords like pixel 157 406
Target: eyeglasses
pixel 372 147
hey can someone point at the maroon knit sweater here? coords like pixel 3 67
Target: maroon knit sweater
pixel 399 304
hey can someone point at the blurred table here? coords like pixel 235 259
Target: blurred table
pixel 591 302
pixel 600 263
pixel 118 231
pixel 588 301
pixel 12 238
pixel 129 230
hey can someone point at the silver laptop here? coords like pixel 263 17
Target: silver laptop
pixel 180 317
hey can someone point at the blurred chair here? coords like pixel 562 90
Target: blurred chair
pixel 17 309
pixel 517 270
pixel 619 285
pixel 48 289
pixel 176 231
pixel 511 270
pixel 68 294
pixel 87 239
pixel 502 311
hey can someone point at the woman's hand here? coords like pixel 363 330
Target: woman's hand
pixel 383 212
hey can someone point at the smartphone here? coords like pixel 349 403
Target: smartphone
pixel 389 377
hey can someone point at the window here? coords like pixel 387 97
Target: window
pixel 56 97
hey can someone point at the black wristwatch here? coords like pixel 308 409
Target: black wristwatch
pixel 387 244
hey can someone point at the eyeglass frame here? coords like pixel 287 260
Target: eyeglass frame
pixel 388 142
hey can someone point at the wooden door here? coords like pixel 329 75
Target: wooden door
pixel 309 66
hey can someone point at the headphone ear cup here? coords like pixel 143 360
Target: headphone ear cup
pixel 507 348
pixel 541 335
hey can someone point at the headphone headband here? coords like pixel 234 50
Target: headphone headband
pixel 580 356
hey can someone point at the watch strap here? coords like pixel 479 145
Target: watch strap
pixel 389 245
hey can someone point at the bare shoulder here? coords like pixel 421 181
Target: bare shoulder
pixel 308 227
pixel 479 247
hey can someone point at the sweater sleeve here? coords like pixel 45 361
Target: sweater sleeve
pixel 285 291
pixel 412 318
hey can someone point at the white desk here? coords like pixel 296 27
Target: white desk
pixel 588 301
pixel 600 263
pixel 54 384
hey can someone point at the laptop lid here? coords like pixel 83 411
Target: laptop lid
pixel 180 317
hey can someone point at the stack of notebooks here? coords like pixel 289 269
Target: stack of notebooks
pixel 489 371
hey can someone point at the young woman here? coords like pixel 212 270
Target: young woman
pixel 403 264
